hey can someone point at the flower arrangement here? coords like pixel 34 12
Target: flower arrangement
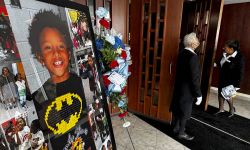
pixel 115 59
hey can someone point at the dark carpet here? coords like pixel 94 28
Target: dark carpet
pixel 207 138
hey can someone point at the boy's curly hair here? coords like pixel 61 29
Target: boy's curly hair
pixel 43 19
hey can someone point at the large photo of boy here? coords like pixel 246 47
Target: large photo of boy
pixel 60 102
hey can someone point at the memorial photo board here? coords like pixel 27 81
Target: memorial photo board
pixel 52 95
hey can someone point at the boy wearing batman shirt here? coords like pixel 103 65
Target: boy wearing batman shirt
pixel 60 102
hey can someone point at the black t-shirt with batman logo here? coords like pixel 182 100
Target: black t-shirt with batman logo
pixel 63 115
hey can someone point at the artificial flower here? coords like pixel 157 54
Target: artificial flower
pixel 119 35
pixel 115 58
pixel 113 64
pixel 123 90
pixel 121 103
pixel 120 61
pixel 117 89
pixel 122 115
pixel 3 11
pixel 119 51
pixel 124 70
pixel 124 54
pixel 101 12
pixel 118 43
pixel 110 39
pixel 99 44
pixel 106 81
pixel 104 23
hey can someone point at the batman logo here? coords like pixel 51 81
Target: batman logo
pixel 63 113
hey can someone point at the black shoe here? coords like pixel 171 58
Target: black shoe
pixel 185 137
pixel 175 131
pixel 217 113
pixel 232 113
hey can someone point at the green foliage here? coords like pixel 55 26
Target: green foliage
pixel 108 53
pixel 114 98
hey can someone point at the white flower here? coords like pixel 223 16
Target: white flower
pixel 110 39
pixel 119 51
pixel 119 35
pixel 101 12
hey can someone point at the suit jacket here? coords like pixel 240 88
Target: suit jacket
pixel 187 82
pixel 231 73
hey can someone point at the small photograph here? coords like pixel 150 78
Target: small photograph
pixel 87 70
pixel 79 29
pixel 107 145
pixel 15 3
pixel 9 93
pixel 14 92
pixel 98 123
pixel 22 136
pixel 8 49
pixel 9 130
pixel 17 132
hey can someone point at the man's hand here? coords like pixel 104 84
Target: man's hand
pixel 199 99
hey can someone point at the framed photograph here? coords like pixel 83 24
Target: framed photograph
pixel 58 83
pixel 8 48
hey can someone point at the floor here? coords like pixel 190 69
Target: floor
pixel 146 137
pixel 241 104
pixel 143 136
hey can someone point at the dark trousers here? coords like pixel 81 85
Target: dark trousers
pixel 181 116
pixel 179 125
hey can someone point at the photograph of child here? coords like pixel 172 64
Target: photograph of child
pixel 56 105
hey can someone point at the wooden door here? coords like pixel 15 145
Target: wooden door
pixel 154 39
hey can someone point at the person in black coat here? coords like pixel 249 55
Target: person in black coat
pixel 187 86
pixel 91 74
pixel 231 68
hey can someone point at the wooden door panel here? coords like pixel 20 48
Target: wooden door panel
pixel 153 111
pixel 154 54
pixel 133 90
pixel 140 108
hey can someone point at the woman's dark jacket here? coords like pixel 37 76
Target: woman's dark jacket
pixel 231 72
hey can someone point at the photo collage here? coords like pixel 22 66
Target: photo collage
pixel 50 90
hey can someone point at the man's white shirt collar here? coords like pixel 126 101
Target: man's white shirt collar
pixel 190 49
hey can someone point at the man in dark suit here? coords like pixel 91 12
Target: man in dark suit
pixel 187 86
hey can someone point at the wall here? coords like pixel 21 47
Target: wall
pixel 236 25
pixel 20 30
